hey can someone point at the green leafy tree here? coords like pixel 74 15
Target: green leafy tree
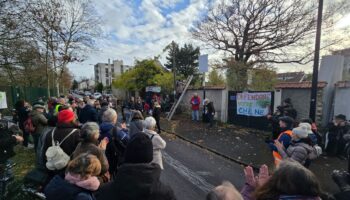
pixel 236 75
pixel 75 85
pixel 99 87
pixel 185 58
pixel 141 76
pixel 165 81
pixel 263 78
pixel 216 79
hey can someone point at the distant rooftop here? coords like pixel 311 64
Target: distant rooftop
pixel 291 77
pixel 299 85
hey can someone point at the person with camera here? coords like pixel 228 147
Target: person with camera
pixel 335 142
pixel 9 138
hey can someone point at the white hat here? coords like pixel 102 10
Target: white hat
pixel 300 132
pixel 307 126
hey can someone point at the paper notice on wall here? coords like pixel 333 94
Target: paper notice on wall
pixel 3 101
pixel 253 104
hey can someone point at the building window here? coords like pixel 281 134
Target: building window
pixel 112 69
pixel 106 70
pixel 107 82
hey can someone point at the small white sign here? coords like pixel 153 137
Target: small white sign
pixel 203 63
pixel 155 89
pixel 3 102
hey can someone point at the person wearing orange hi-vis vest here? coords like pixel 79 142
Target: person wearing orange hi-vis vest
pixel 286 124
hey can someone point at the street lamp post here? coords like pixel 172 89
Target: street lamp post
pixel 313 102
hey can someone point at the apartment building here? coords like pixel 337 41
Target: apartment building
pixel 105 73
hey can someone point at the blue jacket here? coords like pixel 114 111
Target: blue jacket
pixel 284 138
pixel 88 114
pixel 59 189
pixel 121 134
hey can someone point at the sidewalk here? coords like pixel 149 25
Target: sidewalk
pixel 246 145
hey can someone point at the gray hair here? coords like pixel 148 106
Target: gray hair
pixel 109 115
pixel 149 123
pixel 90 102
pixel 90 129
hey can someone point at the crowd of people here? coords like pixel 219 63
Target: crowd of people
pixel 85 153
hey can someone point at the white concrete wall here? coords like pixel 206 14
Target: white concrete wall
pixel 331 71
pixel 341 102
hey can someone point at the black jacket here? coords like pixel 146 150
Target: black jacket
pixel 100 113
pixel 135 182
pixel 156 113
pixel 7 143
pixel 59 189
pixel 88 114
pixel 210 108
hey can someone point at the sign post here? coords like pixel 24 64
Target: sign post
pixel 203 67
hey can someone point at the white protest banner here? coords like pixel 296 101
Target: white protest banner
pixel 253 104
pixel 203 63
pixel 3 103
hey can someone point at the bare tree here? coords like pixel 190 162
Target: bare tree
pixel 260 31
pixel 67 30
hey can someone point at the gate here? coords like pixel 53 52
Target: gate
pixel 249 109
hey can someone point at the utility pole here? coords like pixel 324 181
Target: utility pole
pixel 174 54
pixel 313 102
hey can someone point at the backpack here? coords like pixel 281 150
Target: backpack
pixel 56 158
pixel 28 125
pixel 115 152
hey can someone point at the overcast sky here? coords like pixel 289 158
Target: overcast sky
pixel 142 28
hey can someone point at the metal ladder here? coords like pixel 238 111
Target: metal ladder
pixel 176 104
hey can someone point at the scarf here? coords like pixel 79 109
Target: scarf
pixel 91 183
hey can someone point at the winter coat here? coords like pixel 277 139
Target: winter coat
pixel 136 126
pixel 84 147
pixel 248 190
pixel 336 139
pixel 7 143
pixel 158 145
pixel 40 154
pixel 22 116
pixel 105 131
pixel 139 106
pixel 88 114
pixel 59 189
pixel 62 130
pixel 210 108
pixel 114 151
pixel 136 182
pixel 298 151
pixel 100 113
pixel 39 121
pixel 156 113
pixel 195 102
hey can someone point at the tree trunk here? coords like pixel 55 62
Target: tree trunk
pixel 47 70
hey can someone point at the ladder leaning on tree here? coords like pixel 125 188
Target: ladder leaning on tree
pixel 176 104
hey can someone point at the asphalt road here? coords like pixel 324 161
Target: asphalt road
pixel 192 172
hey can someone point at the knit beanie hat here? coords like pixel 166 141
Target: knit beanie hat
pixel 139 149
pixel 307 126
pixel 65 116
pixel 300 132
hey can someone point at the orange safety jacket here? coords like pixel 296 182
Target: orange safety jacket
pixel 277 157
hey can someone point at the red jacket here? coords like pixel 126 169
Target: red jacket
pixel 195 102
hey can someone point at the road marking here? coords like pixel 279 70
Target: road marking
pixel 187 173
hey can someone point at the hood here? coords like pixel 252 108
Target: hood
pixel 136 126
pixel 105 129
pixel 58 188
pixel 135 181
